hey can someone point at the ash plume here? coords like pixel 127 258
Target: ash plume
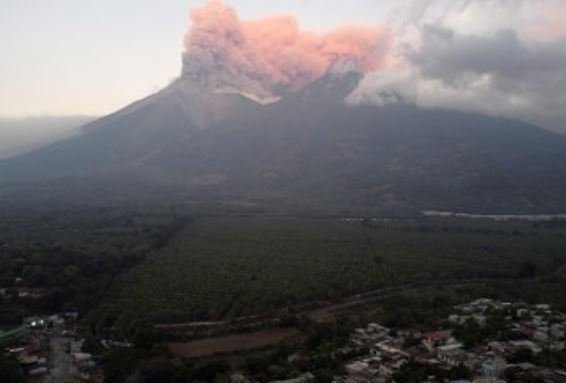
pixel 273 56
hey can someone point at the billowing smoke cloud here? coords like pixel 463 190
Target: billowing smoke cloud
pixel 273 55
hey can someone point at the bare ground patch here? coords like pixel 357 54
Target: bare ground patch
pixel 233 343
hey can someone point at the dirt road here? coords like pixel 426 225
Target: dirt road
pixel 60 362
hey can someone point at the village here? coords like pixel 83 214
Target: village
pixel 49 350
pixel 522 348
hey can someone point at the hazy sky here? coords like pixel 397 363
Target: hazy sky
pixel 90 57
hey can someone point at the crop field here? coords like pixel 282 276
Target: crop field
pixel 220 268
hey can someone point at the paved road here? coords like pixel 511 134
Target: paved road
pixel 344 304
pixel 60 362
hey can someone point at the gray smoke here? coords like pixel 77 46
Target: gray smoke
pixel 488 56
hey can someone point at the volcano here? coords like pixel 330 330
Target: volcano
pixel 308 151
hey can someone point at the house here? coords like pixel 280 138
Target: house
pixel 362 370
pixel 521 313
pixel 32 361
pixel 482 302
pixel 375 327
pixel 388 368
pixel 75 346
pixel 56 320
pixel 488 380
pixel 457 319
pixel 83 360
pixel 541 334
pixel 549 375
pixel 32 293
pixel 518 344
pixel 559 345
pixel 498 347
pixel 557 331
pixel 435 339
pixel 480 319
pixel 238 378
pixel 493 366
pixel 117 344
pixel 456 357
pixel 427 358
pixel 543 307
pixel 450 348
pixel 389 347
pixel 37 371
pixel 357 368
pixel 480 305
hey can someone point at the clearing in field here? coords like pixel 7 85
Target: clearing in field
pixel 233 343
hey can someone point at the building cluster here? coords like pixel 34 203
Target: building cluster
pixel 29 344
pixel 527 338
pixel 45 343
pixel 23 292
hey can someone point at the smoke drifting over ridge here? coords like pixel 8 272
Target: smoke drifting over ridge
pixel 273 56
pixel 497 57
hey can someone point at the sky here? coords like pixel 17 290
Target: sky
pixel 92 57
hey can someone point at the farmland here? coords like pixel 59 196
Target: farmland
pixel 221 268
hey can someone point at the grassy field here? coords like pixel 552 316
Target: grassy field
pixel 222 268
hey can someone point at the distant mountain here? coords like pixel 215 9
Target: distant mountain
pixel 307 151
pixel 20 135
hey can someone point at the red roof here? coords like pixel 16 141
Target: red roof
pixel 437 336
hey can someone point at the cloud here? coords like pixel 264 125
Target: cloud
pixel 523 78
pixel 513 66
pixel 450 55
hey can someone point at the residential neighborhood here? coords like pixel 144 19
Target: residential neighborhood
pixel 482 341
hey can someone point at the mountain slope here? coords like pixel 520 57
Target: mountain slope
pixel 131 135
pixel 308 151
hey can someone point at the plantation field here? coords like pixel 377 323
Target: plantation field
pixel 220 268
pixel 432 252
